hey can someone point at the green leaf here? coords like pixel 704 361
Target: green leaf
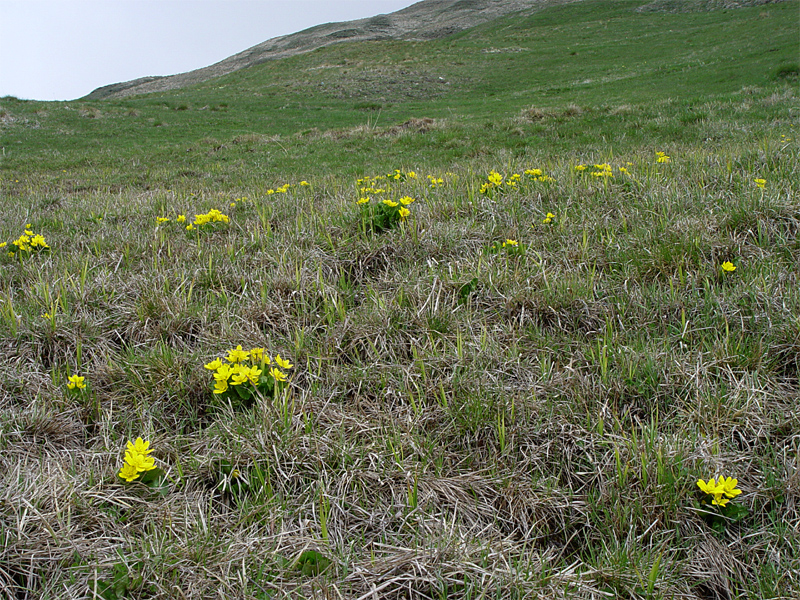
pixel 312 563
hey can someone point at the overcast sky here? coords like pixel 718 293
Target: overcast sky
pixel 64 49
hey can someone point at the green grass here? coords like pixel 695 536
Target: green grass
pixel 460 422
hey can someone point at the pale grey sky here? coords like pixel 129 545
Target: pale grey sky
pixel 64 49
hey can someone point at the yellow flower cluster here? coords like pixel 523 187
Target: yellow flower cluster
pixel 435 182
pixel 722 491
pixel 548 218
pixel 388 211
pixel 27 242
pixel 280 190
pixel 603 170
pixel 662 158
pixel 212 216
pixel 75 382
pixel 246 366
pixel 496 182
pixel 137 460
pixel 398 175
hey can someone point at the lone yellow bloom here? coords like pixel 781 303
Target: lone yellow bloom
pixel 728 267
pixel 282 362
pixel 277 374
pixel 762 183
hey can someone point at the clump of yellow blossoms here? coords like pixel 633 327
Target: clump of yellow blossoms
pixel 662 158
pixel 242 374
pixel 497 183
pixel 75 382
pixel 27 243
pixel 137 460
pixel 720 491
pixel 603 170
pixel 435 182
pixel 399 175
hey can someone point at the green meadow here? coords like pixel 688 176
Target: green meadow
pixel 475 317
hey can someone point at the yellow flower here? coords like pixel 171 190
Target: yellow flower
pixel 709 487
pixel 364 200
pixel 221 386
pixel 283 363
pixel 304 183
pixel 223 373
pixel 213 365
pixel 76 382
pixel 257 354
pixel 762 183
pixel 141 462
pixel 238 355
pixel 719 500
pixel 510 243
pixel 404 212
pixel 662 158
pixel 729 486
pixel 240 374
pixel 411 174
pixel 190 227
pixel 406 200
pixel 580 167
pixel 495 178
pixel 181 218
pixel 391 203
pixel 537 172
pixel 162 220
pixel 139 447
pixel 728 267
pixel 128 472
pixel 277 374
pixel 3 244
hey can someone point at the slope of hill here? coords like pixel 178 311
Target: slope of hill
pixel 426 20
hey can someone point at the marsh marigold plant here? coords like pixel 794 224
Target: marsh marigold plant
pixel 243 374
pixel 137 460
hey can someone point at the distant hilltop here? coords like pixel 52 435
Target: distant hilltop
pixel 426 20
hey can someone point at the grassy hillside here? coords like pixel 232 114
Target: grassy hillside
pixel 510 391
